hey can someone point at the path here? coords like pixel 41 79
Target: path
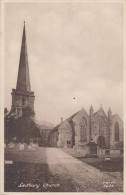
pixel 61 168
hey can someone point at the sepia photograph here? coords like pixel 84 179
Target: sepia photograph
pixel 63 96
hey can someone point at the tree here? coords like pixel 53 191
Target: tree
pixel 22 128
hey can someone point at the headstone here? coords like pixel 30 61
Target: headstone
pixel 29 147
pixel 34 146
pixel 11 145
pixel 107 158
pixel 114 152
pixel 8 162
pixel 21 147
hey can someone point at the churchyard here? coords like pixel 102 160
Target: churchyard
pixel 30 168
pixel 107 163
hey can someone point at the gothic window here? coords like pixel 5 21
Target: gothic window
pixel 83 127
pixel 101 127
pixel 68 142
pixel 116 131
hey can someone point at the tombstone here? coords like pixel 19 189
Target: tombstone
pixel 25 146
pixel 31 140
pixel 34 146
pixel 11 145
pixel 8 162
pixel 101 152
pixel 115 152
pixel 92 147
pixel 107 158
pixel 29 147
pixel 21 147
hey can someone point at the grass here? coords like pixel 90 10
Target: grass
pixel 115 164
pixel 32 168
pixel 36 177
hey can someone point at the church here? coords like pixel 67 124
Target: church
pixel 19 122
pixel 22 96
pixel 82 129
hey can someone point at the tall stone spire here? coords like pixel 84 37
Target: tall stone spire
pixel 22 96
pixel 23 80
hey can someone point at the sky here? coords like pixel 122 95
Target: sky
pixel 75 53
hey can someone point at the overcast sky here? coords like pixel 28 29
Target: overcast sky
pixel 74 50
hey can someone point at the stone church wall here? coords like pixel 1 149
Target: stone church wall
pixel 100 128
pixel 65 135
pixel 81 126
pixel 81 129
pixel 113 142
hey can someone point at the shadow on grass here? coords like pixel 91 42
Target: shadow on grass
pixel 30 173
pixel 30 176
pixel 33 177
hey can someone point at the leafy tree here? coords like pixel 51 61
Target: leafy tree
pixel 22 128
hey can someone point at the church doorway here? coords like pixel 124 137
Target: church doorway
pixel 68 144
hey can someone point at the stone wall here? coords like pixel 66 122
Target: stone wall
pixel 65 135
pixel 53 138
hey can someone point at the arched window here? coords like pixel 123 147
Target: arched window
pixel 83 127
pixel 116 131
pixel 101 126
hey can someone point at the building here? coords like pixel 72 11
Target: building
pixel 93 129
pixel 44 133
pixel 22 96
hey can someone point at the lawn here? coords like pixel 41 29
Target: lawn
pixel 115 164
pixel 112 165
pixel 34 177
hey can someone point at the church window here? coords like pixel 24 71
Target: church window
pixel 116 131
pixel 101 127
pixel 83 127
pixel 68 142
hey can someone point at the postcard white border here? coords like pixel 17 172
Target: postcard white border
pixel 2 3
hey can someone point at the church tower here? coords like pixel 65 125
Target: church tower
pixel 22 96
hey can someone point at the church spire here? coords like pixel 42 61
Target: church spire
pixel 23 80
pixel 22 96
